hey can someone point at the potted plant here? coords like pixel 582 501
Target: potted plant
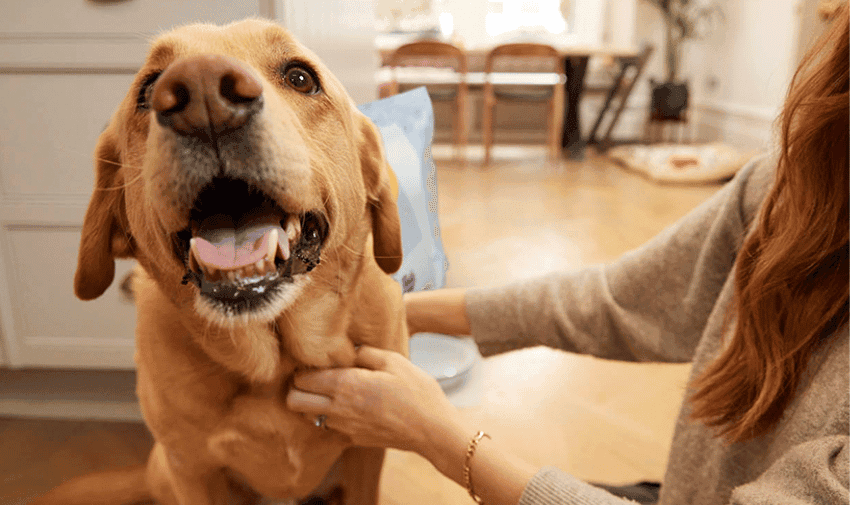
pixel 683 19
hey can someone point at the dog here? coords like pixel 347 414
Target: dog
pixel 262 214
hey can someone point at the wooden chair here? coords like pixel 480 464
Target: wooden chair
pixel 524 58
pixel 437 55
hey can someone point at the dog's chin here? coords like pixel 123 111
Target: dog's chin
pixel 261 301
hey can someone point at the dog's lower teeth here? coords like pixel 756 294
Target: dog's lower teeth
pixel 251 272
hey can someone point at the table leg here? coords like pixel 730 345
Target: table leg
pixel 571 141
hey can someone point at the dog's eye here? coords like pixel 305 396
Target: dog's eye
pixel 143 98
pixel 301 79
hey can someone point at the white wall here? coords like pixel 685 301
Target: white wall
pixel 621 22
pixel 738 75
pixel 468 18
pixel 744 70
pixel 342 34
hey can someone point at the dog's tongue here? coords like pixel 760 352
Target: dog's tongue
pixel 225 245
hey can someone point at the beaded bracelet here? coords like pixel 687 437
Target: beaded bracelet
pixel 467 472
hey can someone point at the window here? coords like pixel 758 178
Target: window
pixel 525 15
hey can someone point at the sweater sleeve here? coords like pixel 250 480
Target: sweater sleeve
pixel 650 305
pixel 814 472
pixel 551 486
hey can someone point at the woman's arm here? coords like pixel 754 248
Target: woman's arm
pixel 498 476
pixel 651 304
pixel 439 311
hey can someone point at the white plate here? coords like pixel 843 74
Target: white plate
pixel 447 359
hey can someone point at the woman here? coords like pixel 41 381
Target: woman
pixel 751 287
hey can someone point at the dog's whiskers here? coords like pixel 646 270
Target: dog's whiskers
pixel 126 184
pixel 355 252
pixel 339 272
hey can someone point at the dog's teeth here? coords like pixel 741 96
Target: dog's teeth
pixel 283 249
pixel 273 239
pixel 194 264
pixel 231 275
pixel 293 228
pixel 260 266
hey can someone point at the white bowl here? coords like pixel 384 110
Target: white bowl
pixel 447 359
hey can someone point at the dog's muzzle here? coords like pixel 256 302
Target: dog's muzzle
pixel 239 246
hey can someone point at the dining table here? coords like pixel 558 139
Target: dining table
pixel 576 58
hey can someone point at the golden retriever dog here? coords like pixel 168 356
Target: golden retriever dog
pixel 258 203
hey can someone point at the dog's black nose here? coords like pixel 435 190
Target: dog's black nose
pixel 206 94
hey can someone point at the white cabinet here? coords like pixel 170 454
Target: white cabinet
pixel 64 66
pixel 80 34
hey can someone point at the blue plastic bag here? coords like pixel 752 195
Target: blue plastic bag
pixel 406 122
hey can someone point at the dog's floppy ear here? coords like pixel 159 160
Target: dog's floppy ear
pixel 381 194
pixel 105 234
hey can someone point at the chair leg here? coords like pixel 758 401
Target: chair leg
pixel 460 126
pixel 556 125
pixel 487 127
pixel 456 125
pixel 552 141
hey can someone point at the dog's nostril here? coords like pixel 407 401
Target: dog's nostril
pixel 238 89
pixel 171 98
pixel 181 98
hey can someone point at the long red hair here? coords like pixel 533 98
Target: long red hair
pixel 791 275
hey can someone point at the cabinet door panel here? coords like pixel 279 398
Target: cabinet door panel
pixel 74 34
pixel 50 124
pixel 51 326
pixel 91 18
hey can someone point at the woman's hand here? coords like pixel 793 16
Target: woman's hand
pixel 386 402
pixel 389 402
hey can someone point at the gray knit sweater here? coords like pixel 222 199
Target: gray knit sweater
pixel 665 302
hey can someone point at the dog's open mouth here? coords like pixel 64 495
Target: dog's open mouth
pixel 240 246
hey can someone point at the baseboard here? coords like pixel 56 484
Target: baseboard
pixel 69 394
pixel 742 126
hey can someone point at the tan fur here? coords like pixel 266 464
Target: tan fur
pixel 212 388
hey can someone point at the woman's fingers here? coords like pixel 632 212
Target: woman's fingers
pixel 308 403
pixel 372 358
pixel 322 382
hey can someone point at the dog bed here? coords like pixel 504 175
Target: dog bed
pixel 682 163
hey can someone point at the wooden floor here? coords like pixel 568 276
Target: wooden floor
pixel 521 217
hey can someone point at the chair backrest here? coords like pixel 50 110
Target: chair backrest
pixel 523 57
pixel 429 53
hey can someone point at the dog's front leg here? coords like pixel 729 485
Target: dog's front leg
pixel 174 484
pixel 361 474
